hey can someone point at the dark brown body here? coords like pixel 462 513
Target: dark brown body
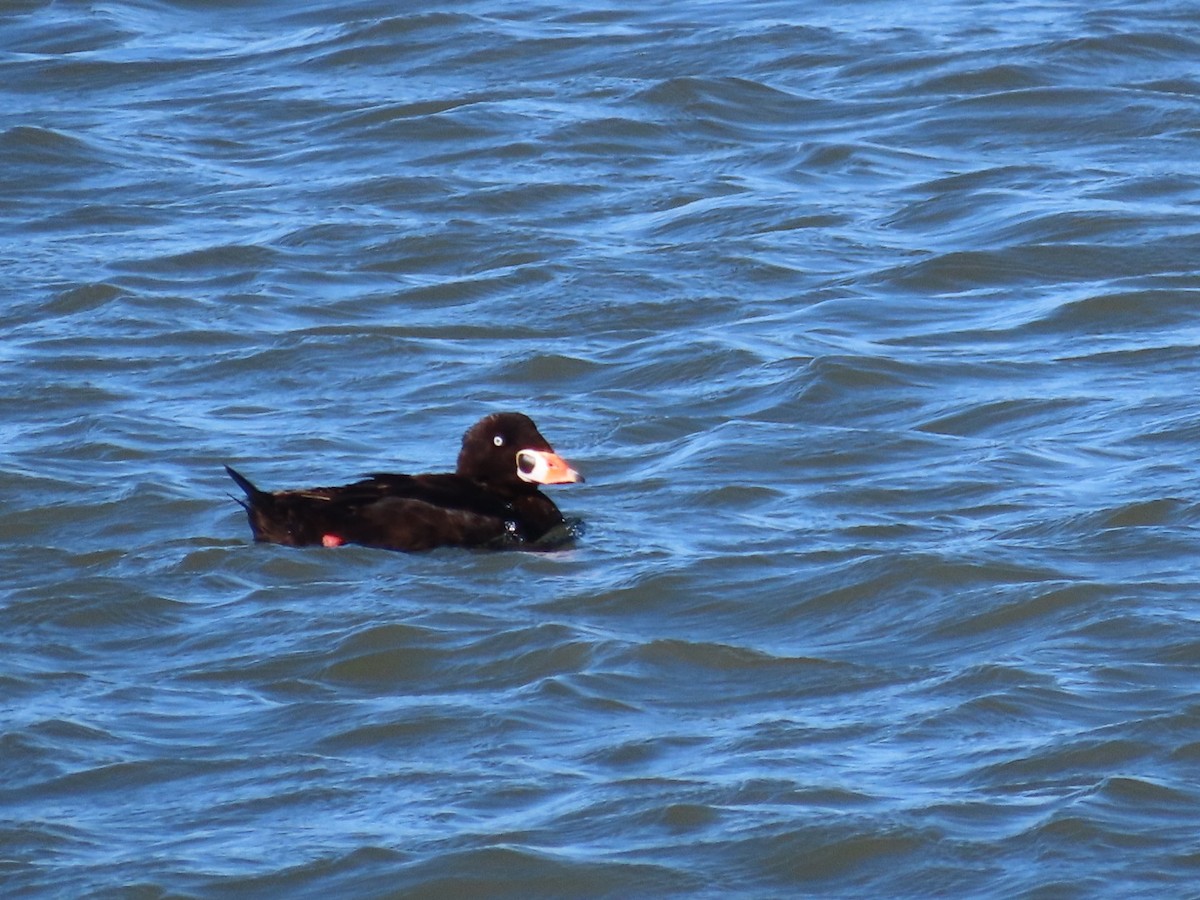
pixel 400 512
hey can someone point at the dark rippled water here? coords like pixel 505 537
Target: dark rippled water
pixel 874 327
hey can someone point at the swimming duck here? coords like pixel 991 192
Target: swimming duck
pixel 490 500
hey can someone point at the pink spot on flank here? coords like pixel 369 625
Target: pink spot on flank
pixel 332 540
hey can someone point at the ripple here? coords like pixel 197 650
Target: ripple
pixel 517 872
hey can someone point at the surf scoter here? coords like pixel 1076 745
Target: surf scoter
pixel 490 500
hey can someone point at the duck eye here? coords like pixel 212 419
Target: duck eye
pixel 498 440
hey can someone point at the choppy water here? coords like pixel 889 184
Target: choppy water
pixel 873 326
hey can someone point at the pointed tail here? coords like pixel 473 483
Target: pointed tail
pixel 252 493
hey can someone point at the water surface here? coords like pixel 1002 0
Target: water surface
pixel 873 327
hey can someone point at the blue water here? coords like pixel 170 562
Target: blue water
pixel 873 326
